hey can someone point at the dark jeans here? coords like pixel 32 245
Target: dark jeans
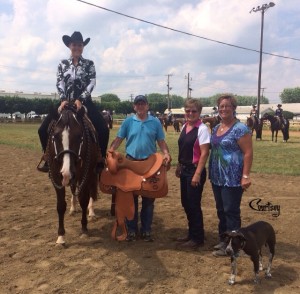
pixel 97 120
pixel 146 216
pixel 228 201
pixel 43 131
pixel 191 202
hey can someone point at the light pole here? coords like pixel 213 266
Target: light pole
pixel 262 8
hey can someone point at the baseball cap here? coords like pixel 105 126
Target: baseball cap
pixel 140 98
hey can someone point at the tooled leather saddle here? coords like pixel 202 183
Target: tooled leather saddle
pixel 127 178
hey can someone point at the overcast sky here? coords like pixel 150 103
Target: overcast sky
pixel 134 57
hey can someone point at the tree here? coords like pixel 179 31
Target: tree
pixel 110 98
pixel 290 95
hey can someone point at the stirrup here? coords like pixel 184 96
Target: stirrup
pixel 43 168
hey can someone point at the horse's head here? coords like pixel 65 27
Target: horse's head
pixel 67 144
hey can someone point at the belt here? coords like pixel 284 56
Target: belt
pixel 188 166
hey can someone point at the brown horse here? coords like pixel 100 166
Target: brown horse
pixel 276 126
pixel 256 125
pixel 212 121
pixel 166 122
pixel 73 153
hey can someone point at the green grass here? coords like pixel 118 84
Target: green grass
pixel 269 157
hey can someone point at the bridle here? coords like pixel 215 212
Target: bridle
pixel 75 188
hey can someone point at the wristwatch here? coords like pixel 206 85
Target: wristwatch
pixel 246 177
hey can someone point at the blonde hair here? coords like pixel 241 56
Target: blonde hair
pixel 193 102
pixel 230 98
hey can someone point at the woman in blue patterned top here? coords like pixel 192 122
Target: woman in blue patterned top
pixel 229 167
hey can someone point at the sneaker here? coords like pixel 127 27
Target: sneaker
pixel 191 245
pixel 220 252
pixel 147 237
pixel 221 245
pixel 131 236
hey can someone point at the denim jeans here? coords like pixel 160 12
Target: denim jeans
pixel 228 201
pixel 146 216
pixel 191 202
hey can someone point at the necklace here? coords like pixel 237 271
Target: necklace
pixel 224 127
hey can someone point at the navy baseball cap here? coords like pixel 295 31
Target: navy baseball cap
pixel 140 98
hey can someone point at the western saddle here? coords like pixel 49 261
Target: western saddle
pixel 127 178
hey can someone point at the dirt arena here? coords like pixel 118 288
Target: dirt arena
pixel 31 263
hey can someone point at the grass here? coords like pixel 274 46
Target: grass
pixel 269 157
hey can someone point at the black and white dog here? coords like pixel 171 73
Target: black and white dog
pixel 251 239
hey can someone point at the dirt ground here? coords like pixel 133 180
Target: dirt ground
pixel 31 263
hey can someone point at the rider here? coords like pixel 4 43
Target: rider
pixel 76 79
pixel 279 114
pixel 215 112
pixel 253 113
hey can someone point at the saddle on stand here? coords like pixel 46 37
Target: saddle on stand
pixel 127 178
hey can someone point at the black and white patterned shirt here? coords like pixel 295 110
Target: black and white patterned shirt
pixel 76 82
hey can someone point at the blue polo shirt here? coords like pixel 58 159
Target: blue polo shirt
pixel 141 136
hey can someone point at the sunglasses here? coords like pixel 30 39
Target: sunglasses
pixel 191 111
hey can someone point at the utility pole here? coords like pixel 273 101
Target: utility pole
pixel 169 88
pixel 262 9
pixel 131 97
pixel 189 89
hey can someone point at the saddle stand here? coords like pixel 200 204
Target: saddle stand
pixel 128 178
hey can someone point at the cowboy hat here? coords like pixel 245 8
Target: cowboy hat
pixel 75 38
pixel 279 105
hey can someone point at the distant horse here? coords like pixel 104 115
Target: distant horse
pixel 73 153
pixel 167 122
pixel 213 121
pixel 276 125
pixel 109 119
pixel 176 125
pixel 256 125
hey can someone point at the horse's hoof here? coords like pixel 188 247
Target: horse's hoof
pixel 93 218
pixel 84 236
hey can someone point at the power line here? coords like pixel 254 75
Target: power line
pixel 186 33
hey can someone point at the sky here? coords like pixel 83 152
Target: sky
pixel 134 57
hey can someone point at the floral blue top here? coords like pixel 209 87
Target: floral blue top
pixel 226 158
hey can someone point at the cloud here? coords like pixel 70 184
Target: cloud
pixel 133 57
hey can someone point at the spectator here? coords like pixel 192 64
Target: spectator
pixel 194 142
pixel 229 167
pixel 141 132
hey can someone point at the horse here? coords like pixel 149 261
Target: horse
pixel 276 125
pixel 213 121
pixel 176 125
pixel 256 125
pixel 72 155
pixel 109 119
pixel 167 122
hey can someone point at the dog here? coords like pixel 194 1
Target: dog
pixel 250 239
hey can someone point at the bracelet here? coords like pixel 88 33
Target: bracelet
pixel 246 177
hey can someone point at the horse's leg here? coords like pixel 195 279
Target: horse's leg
pixel 73 205
pixel 84 199
pixel 61 209
pixel 92 215
pixel 276 134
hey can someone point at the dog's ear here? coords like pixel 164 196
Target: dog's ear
pixel 241 236
pixel 225 235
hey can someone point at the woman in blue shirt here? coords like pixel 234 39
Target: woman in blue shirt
pixel 229 167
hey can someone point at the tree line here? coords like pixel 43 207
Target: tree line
pixel 158 102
